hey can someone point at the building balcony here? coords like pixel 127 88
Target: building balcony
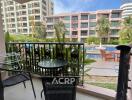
pixel 32 53
pixel 74 36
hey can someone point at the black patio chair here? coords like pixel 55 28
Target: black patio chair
pixel 56 90
pixel 16 74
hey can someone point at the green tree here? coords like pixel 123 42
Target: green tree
pixel 7 37
pixel 94 40
pixel 60 31
pixel 103 28
pixel 126 31
pixel 40 31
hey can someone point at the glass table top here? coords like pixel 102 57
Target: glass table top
pixel 52 63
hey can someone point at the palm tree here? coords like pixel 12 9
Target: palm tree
pixel 126 31
pixel 103 28
pixel 40 31
pixel 32 21
pixel 60 31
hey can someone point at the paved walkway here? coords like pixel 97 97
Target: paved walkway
pixel 103 68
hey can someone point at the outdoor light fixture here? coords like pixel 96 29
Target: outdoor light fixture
pixel 22 1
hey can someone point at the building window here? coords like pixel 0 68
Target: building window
pixel 105 15
pixel 24 24
pixel 74 25
pixel 115 23
pixel 92 24
pixel 36 4
pixel 84 17
pixel 23 6
pixel 66 17
pixel 29 5
pixel 24 18
pixel 49 20
pixel 74 33
pixel 92 16
pixel 84 25
pixel 25 30
pixel 83 33
pixel 67 25
pixel 83 39
pixel 74 17
pixel 115 15
pixel 44 2
pixel 67 32
pixel 92 32
pixel 36 11
pixel 49 27
pixel 50 34
pixel 114 32
pixel 23 13
pixel 37 17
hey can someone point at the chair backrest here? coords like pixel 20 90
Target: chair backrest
pixel 59 88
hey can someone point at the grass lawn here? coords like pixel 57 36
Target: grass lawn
pixel 112 86
pixel 89 61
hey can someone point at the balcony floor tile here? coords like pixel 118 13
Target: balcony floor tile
pixel 18 92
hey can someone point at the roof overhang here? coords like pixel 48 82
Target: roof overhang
pixel 22 1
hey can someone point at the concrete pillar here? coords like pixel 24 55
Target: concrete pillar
pixel 2 39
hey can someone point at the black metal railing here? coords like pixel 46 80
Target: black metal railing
pixel 33 53
pixel 124 66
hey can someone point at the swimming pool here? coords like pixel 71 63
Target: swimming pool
pixel 94 48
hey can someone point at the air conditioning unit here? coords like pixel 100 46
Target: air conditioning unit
pixel 22 1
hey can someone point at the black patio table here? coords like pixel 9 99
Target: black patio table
pixel 52 66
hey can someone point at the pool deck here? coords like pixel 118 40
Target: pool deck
pixel 103 68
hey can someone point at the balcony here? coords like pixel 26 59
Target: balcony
pixel 35 53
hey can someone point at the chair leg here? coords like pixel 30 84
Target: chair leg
pixel 32 85
pixel 24 84
pixel 42 93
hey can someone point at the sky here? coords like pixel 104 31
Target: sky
pixel 64 6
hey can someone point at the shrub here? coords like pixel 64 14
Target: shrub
pixel 91 40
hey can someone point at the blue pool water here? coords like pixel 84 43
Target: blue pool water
pixel 98 56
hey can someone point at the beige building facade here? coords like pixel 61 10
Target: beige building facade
pixel 18 18
pixel 82 25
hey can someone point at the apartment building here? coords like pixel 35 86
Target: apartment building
pixel 127 8
pixel 20 18
pixel 80 26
